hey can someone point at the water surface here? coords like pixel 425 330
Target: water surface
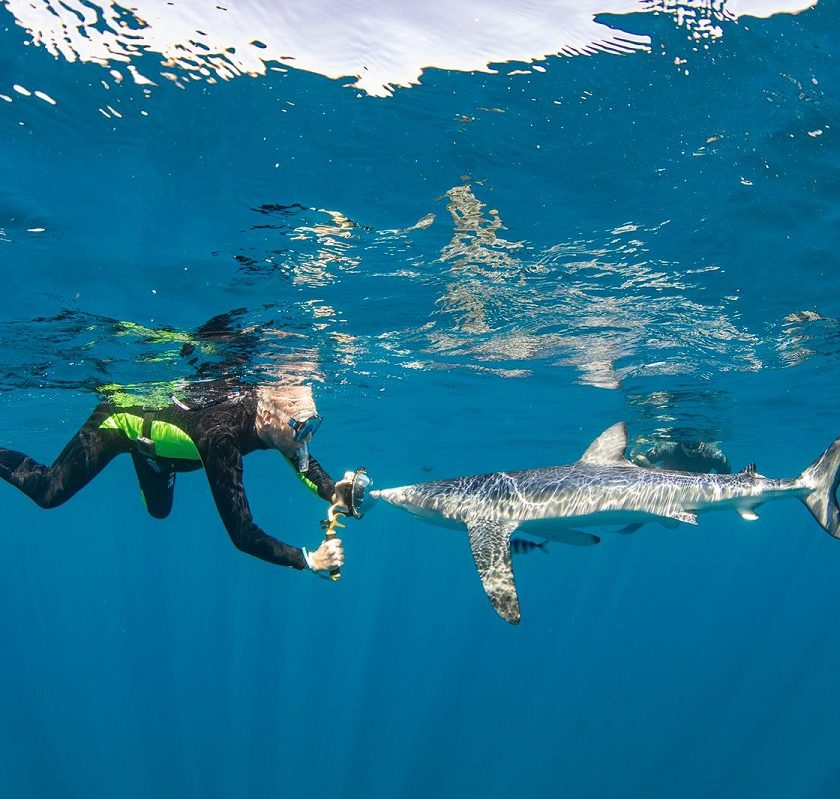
pixel 485 233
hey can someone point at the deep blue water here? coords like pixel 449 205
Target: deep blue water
pixel 481 271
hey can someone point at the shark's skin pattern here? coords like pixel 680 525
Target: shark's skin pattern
pixel 489 544
pixel 581 494
pixel 602 488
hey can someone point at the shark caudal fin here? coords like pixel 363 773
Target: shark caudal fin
pixel 823 476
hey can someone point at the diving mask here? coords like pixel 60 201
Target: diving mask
pixel 304 430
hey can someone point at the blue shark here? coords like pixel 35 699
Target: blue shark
pixel 602 488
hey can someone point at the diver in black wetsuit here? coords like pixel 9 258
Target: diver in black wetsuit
pixel 179 438
pixel 683 456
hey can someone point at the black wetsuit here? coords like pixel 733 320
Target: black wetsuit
pixel 701 457
pixel 221 432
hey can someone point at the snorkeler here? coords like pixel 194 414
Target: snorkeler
pixel 183 438
pixel 683 456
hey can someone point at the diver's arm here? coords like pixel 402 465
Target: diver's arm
pixel 223 465
pixel 720 463
pixel 318 480
pixel 653 456
pixel 641 459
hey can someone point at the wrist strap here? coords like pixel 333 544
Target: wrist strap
pixel 307 556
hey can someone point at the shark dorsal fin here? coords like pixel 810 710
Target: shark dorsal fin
pixel 750 470
pixel 609 447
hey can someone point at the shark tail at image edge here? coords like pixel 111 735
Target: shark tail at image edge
pixel 824 477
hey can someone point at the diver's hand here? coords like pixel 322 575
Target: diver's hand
pixel 343 488
pixel 640 459
pixel 328 556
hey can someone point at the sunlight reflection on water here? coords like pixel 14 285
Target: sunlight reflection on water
pixel 384 47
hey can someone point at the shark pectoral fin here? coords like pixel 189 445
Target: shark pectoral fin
pixel 748 514
pixel 490 544
pixel 575 538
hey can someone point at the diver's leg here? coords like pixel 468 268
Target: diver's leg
pixel 157 485
pixel 85 455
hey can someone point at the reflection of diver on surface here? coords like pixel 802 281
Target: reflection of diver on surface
pixel 181 435
pixel 209 362
pixel 682 456
pixel 233 348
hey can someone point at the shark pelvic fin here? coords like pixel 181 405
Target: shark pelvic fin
pixel 490 544
pixel 575 538
pixel 672 519
pixel 629 529
pixel 608 448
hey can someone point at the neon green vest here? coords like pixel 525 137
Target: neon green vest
pixel 169 440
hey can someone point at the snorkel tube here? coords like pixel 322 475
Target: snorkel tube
pixel 301 459
pixel 303 435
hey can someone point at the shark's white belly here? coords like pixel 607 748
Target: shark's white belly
pixel 554 528
pixel 745 505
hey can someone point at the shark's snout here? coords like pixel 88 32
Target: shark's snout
pixel 370 501
pixel 390 495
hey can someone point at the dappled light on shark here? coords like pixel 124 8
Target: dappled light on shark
pixel 602 488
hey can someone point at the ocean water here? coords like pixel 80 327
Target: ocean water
pixel 484 234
